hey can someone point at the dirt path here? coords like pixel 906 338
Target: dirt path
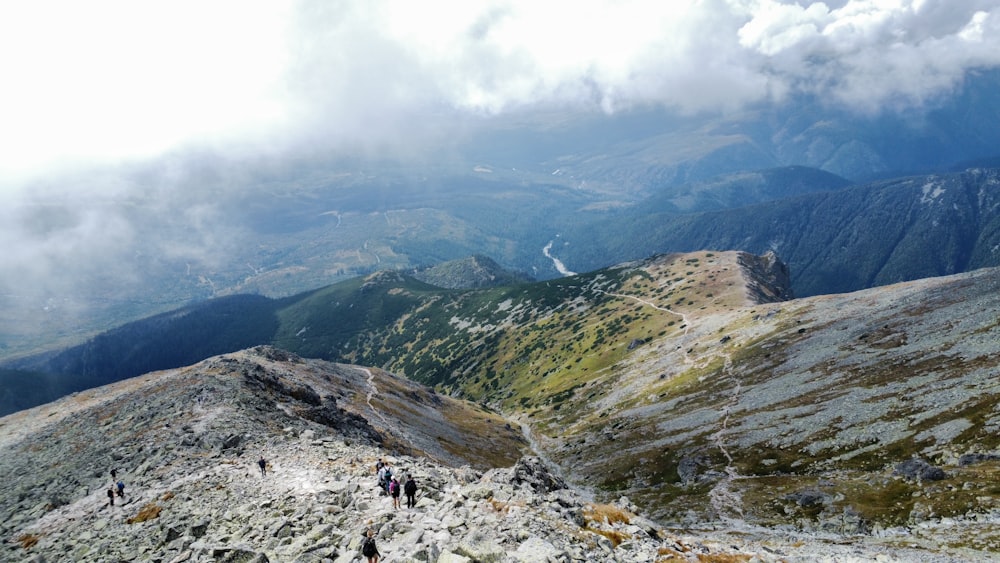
pixel 372 391
pixel 727 502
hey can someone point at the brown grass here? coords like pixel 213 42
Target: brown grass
pixel 616 537
pixel 28 541
pixel 606 513
pixel 147 512
pixel 167 495
pixel 723 558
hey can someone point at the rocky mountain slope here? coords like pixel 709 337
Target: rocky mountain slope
pixel 186 443
pixel 695 386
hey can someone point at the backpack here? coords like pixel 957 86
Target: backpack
pixel 393 487
pixel 368 548
pixel 410 487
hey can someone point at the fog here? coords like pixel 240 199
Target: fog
pixel 109 108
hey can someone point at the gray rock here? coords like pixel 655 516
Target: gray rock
pixel 918 469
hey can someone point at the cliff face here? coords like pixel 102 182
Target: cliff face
pixel 767 277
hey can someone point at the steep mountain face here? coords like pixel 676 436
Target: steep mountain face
pixel 836 241
pixel 186 443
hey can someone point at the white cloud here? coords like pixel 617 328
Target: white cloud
pixel 119 78
pixel 113 78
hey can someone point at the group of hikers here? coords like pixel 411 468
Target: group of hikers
pixel 117 486
pixel 390 485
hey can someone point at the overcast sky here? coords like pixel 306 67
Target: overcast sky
pixel 95 85
pixel 117 79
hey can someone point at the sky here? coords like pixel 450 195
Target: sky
pixel 92 89
pixel 102 81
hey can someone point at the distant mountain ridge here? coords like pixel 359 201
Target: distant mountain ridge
pixel 474 272
pixel 369 320
pixel 834 241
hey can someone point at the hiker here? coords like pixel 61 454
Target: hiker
pixel 368 548
pixel 379 465
pixel 111 496
pixel 114 473
pixel 410 489
pixel 381 480
pixel 121 489
pixel 263 466
pixel 394 492
pixel 388 477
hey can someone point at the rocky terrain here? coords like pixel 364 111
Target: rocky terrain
pixel 186 443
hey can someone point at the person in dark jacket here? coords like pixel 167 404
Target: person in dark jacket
pixel 369 549
pixel 410 489
pixel 111 496
pixel 262 463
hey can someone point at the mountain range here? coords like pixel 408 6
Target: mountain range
pixel 692 383
pixel 602 189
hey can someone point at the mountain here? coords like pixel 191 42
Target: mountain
pixel 469 273
pixel 368 320
pixel 185 443
pixel 833 241
pixel 743 189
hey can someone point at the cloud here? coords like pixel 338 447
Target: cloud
pixel 96 93
pixel 868 54
pixel 114 79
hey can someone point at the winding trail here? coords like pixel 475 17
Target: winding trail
pixel 725 500
pixel 684 318
pixel 372 391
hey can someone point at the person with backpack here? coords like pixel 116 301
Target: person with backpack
pixel 262 463
pixel 382 480
pixel 394 492
pixel 111 496
pixel 121 489
pixel 410 489
pixel 369 549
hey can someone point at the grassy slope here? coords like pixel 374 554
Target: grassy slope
pixel 638 375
